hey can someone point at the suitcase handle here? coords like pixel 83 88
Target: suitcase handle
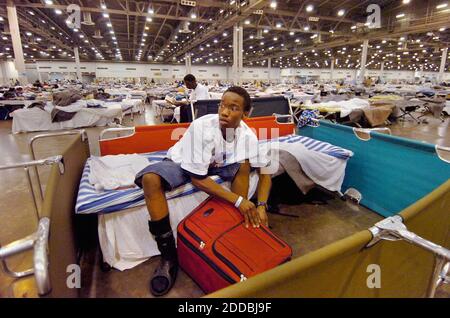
pixel 208 212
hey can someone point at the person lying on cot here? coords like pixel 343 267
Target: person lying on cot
pixel 216 144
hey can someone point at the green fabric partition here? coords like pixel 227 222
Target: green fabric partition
pixel 59 202
pixel 341 269
pixel 390 172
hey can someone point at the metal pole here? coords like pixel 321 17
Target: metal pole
pixel 77 62
pixel 235 56
pixel 332 69
pixel 269 67
pixel 363 60
pixel 19 60
pixel 443 61
pixel 4 77
pixel 187 60
pixel 240 51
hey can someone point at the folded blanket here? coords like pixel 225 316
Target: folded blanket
pixel 114 172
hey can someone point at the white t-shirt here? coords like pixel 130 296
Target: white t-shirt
pixel 199 93
pixel 203 147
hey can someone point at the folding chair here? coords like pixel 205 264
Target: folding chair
pixel 201 108
pixel 407 111
pixel 429 110
pixel 267 106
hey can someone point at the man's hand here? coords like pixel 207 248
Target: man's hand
pixel 251 216
pixel 262 213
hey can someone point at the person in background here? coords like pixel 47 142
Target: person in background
pixel 10 94
pixel 37 84
pixel 198 91
pixel 101 95
pixel 322 91
pixel 19 91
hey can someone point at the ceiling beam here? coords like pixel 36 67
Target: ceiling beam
pixel 306 16
pixel 218 26
pixel 149 47
pixel 377 35
pixel 114 11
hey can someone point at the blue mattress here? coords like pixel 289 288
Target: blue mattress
pixel 91 201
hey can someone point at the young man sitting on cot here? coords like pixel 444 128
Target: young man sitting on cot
pixel 217 144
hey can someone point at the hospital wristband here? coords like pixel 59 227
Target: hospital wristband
pixel 239 201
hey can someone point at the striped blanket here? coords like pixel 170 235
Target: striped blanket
pixel 91 201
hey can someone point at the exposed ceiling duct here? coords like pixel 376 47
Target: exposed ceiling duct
pixel 97 35
pixel 87 19
pixel 185 28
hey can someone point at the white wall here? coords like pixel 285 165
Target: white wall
pixel 161 72
pixel 389 75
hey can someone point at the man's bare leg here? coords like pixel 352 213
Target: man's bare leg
pixel 155 197
pixel 241 181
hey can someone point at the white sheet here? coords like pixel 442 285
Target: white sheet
pixel 132 106
pixel 35 119
pixel 124 236
pixel 346 106
pixel 324 170
pixel 113 172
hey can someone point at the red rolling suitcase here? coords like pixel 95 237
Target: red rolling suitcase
pixel 216 249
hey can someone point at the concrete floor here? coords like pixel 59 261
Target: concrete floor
pixel 316 226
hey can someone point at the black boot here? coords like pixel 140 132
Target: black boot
pixel 165 274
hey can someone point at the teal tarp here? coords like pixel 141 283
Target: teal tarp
pixel 390 172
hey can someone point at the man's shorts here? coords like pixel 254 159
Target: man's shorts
pixel 174 176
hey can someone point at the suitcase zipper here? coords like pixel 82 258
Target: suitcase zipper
pixel 226 261
pixel 207 260
pixel 273 237
pixel 194 236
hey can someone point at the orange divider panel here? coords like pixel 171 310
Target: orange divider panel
pixel 162 137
